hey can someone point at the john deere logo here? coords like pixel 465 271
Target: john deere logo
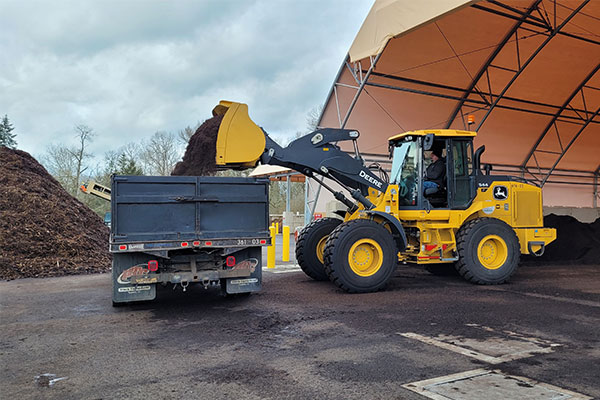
pixel 500 192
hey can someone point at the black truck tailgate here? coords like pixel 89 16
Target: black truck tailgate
pixel 193 210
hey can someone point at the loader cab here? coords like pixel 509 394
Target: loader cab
pixel 411 155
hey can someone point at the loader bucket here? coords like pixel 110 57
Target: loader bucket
pixel 240 142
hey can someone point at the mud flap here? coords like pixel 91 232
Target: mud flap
pixel 252 283
pixel 123 267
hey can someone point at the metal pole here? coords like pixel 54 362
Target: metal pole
pixel 596 174
pixel 287 194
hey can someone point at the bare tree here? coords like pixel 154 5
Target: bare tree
pixel 67 164
pixel 59 162
pixel 84 135
pixel 160 154
pixel 312 118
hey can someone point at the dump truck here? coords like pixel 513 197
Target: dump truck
pixel 181 230
pixel 478 222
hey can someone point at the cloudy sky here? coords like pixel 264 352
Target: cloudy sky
pixel 129 68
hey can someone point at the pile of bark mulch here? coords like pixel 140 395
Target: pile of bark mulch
pixel 44 231
pixel 576 242
pixel 201 152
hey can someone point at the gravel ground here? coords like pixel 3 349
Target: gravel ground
pixel 297 339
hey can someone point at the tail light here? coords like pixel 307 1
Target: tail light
pixel 153 265
pixel 230 262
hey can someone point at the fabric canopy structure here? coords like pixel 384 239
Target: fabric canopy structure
pixel 526 71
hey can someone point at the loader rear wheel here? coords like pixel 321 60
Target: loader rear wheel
pixel 488 250
pixel 311 244
pixel 360 256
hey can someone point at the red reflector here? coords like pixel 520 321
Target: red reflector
pixel 122 247
pixel 196 243
pixel 263 242
pixel 184 244
pixel 230 262
pixel 152 265
pixel 208 243
pixel 429 247
pixel 444 246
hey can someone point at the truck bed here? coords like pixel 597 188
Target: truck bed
pixel 165 212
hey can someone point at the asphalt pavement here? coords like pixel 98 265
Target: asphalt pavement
pixel 424 336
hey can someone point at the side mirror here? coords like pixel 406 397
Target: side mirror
pixel 428 142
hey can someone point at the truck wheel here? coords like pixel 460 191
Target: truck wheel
pixel 360 256
pixel 311 244
pixel 488 251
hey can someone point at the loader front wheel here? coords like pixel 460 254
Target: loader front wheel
pixel 311 245
pixel 488 250
pixel 360 256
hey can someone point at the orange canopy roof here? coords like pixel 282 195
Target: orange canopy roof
pixel 526 70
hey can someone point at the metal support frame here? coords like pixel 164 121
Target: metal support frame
pixel 526 21
pixel 361 80
pixel 552 123
pixel 562 154
pixel 596 194
pixel 553 33
pixel 485 68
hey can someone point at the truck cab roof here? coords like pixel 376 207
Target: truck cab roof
pixel 436 132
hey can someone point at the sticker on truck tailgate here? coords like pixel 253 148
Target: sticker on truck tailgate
pixel 125 277
pixel 146 280
pixel 249 264
pixel 242 282
pixel 133 289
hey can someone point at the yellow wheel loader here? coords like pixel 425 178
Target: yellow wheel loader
pixel 478 222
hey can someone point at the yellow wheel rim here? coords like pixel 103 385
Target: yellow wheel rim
pixel 321 248
pixel 365 257
pixel 492 252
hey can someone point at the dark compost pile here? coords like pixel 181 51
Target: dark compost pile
pixel 201 152
pixel 44 231
pixel 576 242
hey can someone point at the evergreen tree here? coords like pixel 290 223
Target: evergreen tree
pixel 7 138
pixel 126 166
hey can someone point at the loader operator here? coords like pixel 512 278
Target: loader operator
pixel 435 173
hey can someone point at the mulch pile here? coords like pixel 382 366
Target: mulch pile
pixel 201 152
pixel 576 242
pixel 44 231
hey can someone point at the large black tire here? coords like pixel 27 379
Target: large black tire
pixel 310 246
pixel 488 251
pixel 360 256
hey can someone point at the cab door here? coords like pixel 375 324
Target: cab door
pixel 461 183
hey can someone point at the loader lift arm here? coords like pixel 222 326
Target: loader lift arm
pixel 316 153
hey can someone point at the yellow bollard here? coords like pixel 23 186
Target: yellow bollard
pixel 271 249
pixel 286 243
pixel 276 228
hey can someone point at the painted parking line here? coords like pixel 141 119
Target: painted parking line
pixel 283 269
pixel 498 347
pixel 489 384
